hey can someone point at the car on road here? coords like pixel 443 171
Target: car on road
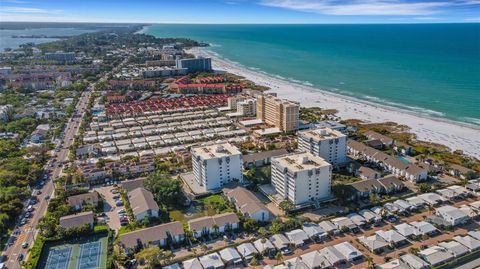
pixel 23 221
pixel 25 245
pixel 47 197
pixel 121 211
pixel 20 257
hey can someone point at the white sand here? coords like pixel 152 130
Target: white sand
pixel 455 136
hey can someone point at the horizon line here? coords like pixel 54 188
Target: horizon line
pixel 251 23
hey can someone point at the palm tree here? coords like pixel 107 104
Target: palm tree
pixel 278 257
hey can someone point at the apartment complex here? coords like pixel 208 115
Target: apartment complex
pixel 301 177
pixel 198 64
pixel 327 143
pixel 280 113
pixel 216 165
pixel 247 108
pixel 60 56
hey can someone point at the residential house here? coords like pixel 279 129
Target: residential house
pixel 357 219
pixel 315 260
pixel 333 256
pixel 143 204
pixel 471 243
pixel 297 237
pixel 230 256
pixel 90 150
pixel 348 251
pixel 374 243
pixel 386 141
pixel 452 215
pixel 455 248
pixel 129 185
pixel 344 223
pixel 414 262
pixel 425 228
pixel 248 204
pixel 407 230
pixel 392 237
pixel 367 173
pixel 77 201
pixel 77 220
pixel 432 199
pixel 370 217
pixel 192 264
pixel 159 235
pixel 329 227
pixel 436 255
pixel 393 264
pixel 264 246
pixel 280 241
pixel 461 172
pixel 314 231
pixel 205 225
pixel 247 251
pixel 211 261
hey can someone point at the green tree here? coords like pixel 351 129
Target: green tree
pixel 424 187
pixel 167 191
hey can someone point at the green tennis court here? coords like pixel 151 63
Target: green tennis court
pixel 88 253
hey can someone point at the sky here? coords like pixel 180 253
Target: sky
pixel 241 11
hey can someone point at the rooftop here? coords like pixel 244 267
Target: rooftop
pixel 297 162
pixel 321 134
pixel 216 151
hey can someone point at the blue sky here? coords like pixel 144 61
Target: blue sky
pixel 242 11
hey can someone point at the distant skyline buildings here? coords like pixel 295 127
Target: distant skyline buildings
pixel 242 11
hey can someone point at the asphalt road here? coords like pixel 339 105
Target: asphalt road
pixel 28 231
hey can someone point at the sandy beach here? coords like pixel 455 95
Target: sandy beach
pixel 455 136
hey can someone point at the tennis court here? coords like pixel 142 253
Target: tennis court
pixel 90 255
pixel 59 258
pixel 86 253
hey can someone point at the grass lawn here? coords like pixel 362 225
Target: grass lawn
pixel 208 206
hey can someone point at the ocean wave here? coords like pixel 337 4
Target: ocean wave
pixel 421 110
pixel 475 121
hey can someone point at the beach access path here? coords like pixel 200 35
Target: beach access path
pixel 455 136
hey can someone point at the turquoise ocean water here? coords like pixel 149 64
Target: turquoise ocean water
pixel 431 69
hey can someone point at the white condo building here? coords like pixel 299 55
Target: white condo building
pixel 216 165
pixel 327 143
pixel 301 177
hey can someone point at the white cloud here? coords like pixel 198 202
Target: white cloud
pixel 359 7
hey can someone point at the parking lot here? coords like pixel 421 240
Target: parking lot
pixel 110 208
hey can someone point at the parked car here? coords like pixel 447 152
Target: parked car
pixel 25 245
pixel 20 257
pixel 47 197
pixel 116 196
pixel 119 203
pixel 121 211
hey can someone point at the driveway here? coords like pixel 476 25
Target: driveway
pixel 109 207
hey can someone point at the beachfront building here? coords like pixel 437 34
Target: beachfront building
pixel 327 143
pixel 247 108
pixel 216 165
pixel 282 114
pixel 198 64
pixel 301 177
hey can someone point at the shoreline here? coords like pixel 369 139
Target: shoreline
pixel 456 136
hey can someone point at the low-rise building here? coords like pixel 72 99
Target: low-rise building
pixel 374 243
pixel 262 158
pixel 392 237
pixel 143 204
pixel 455 248
pixel 210 224
pixel 77 220
pixel 425 228
pixel 159 235
pixel 248 204
pixel 315 260
pixel 77 201
pixel 264 246
pixel 247 250
pixel 436 255
pixel 452 215
pixel 212 261
pixel 230 256
pixel 471 243
pixel 297 237
pixel 414 262
pixel 348 251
